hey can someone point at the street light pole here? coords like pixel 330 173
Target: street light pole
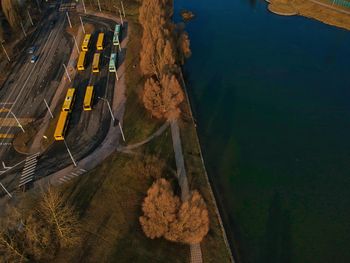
pixel 109 107
pixel 48 108
pixel 70 24
pixel 8 58
pixel 7 192
pixel 116 74
pixel 123 8
pixel 110 110
pixel 99 5
pixel 24 32
pixel 121 18
pixel 121 131
pixel 65 68
pixel 76 44
pixel 84 6
pixel 70 154
pixel 30 18
pixel 19 124
pixel 82 24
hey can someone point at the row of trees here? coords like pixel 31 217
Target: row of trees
pixel 164 48
pixel 166 216
pixel 36 231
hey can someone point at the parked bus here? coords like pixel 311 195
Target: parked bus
pixel 69 100
pixel 112 62
pixel 116 35
pixel 86 41
pixel 99 44
pixel 81 60
pixel 61 126
pixel 96 62
pixel 89 97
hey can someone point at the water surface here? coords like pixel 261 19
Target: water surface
pixel 271 95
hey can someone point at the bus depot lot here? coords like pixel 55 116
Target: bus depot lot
pixel 86 129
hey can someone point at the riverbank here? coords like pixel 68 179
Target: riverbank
pixel 320 10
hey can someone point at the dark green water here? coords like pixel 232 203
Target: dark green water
pixel 271 95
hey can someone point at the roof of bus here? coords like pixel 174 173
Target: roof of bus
pixel 117 27
pixel 88 95
pixel 69 98
pixel 87 37
pixel 61 123
pixel 96 58
pixel 81 57
pixel 100 35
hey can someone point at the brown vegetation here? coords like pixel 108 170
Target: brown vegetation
pixel 164 216
pixel 159 208
pixel 192 223
pixel 11 11
pixel 36 235
pixel 163 49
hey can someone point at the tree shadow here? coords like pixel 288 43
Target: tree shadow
pixel 277 247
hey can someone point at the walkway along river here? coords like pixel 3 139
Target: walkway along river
pixel 271 96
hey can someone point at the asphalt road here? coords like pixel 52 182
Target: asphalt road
pixel 29 84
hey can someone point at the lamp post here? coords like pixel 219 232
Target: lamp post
pixel 113 118
pixel 18 123
pixel 8 58
pixel 70 154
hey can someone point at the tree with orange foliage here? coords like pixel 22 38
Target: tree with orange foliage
pixel 172 96
pixel 183 47
pixel 159 208
pixel 163 98
pixel 165 217
pixel 192 223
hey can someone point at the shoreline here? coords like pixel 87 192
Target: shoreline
pixel 323 11
pixel 212 195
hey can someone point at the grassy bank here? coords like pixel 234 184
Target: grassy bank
pixel 109 198
pixel 309 9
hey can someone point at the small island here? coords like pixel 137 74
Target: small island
pixel 187 15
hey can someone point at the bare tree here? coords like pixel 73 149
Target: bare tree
pixel 61 216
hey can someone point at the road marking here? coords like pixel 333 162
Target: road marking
pixel 29 169
pixel 29 162
pixel 23 178
pixel 25 83
pixel 11 122
pixel 25 182
pixel 5 143
pixel 6 136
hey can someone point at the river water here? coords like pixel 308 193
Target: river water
pixel 271 96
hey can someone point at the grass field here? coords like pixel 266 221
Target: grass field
pixel 109 198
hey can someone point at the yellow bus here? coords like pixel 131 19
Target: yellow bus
pixel 61 126
pixel 88 99
pixel 69 100
pixel 99 44
pixel 85 44
pixel 96 62
pixel 81 60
